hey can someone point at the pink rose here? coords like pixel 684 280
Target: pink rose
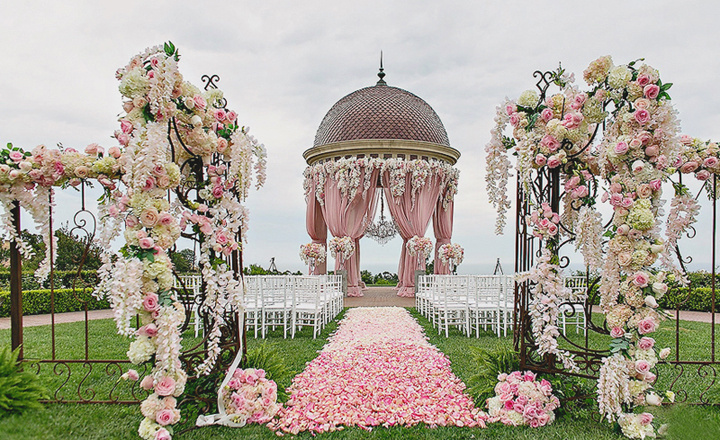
pixel 163 434
pixel 146 243
pixel 222 145
pixel 220 114
pixel 572 183
pixel 627 202
pixel 638 166
pixel 200 102
pixel 218 192
pixel 664 353
pixel 510 109
pixel 151 303
pixel 126 126
pixel 514 119
pixel 655 184
pixel 616 199
pixel 703 175
pixel 649 377
pixel 621 148
pixel 646 419
pixel 540 160
pixel 231 116
pixel 617 332
pixel 122 138
pixel 546 114
pixel 165 219
pixel 550 143
pixel 131 375
pixel 646 343
pixel 164 417
pixel 553 162
pixel 82 171
pixel 165 386
pixel 580 191
pixel 652 150
pixel 641 279
pixel 689 167
pixel 149 330
pixel 643 80
pixel 710 162
pixel 147 383
pixel 149 217
pixel 131 221
pixel 644 191
pixel 642 367
pixel 642 116
pixel 646 326
pixel 651 91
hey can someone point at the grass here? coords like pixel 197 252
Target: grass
pixel 104 421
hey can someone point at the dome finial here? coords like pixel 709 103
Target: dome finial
pixel 381 74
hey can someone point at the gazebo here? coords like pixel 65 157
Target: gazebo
pixel 381 139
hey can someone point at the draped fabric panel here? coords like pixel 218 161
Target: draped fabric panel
pixel 412 219
pixel 443 227
pixel 350 216
pixel 316 227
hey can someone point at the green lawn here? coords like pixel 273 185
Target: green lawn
pixel 104 421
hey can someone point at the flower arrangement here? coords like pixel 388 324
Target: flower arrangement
pixel 341 248
pixel 451 254
pixel 249 397
pixel 521 399
pixel 420 247
pixel 353 174
pixel 545 222
pixel 312 253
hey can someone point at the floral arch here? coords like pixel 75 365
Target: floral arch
pixel 617 143
pixel 183 167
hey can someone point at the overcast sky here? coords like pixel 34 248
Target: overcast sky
pixel 284 64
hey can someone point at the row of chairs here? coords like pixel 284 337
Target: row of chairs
pixel 475 302
pixel 292 302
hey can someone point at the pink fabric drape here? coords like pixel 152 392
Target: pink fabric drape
pixel 443 227
pixel 350 216
pixel 412 219
pixel 316 227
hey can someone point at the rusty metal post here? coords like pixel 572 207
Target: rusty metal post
pixel 16 308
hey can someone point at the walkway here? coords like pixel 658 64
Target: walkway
pixel 379 297
pixel 378 369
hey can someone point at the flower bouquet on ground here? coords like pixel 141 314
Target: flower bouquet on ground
pixel 342 248
pixel 420 247
pixel 452 255
pixel 249 397
pixel 312 254
pixel 520 399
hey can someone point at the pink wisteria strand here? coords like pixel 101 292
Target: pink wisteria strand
pixel 377 370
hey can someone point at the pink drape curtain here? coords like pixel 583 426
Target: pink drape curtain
pixel 350 216
pixel 443 227
pixel 316 227
pixel 412 219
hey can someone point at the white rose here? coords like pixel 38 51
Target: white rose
pixel 664 353
pixel 653 399
pixel 196 121
pixel 660 288
pixel 656 248
pixel 650 302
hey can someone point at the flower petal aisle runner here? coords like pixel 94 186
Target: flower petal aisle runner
pixel 378 369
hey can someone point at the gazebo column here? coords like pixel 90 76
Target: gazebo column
pixel 443 227
pixel 316 228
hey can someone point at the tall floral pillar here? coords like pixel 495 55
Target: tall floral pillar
pixel 443 227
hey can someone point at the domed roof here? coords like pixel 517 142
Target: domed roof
pixel 381 112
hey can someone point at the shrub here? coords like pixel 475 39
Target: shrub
pixel 36 302
pixel 266 357
pixel 490 364
pixel 19 390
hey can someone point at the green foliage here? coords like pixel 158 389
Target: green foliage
pixel 699 299
pixel 183 260
pixel 489 365
pixel 63 279
pixel 73 250
pixel 19 390
pixel 36 302
pixel 266 357
pixel 256 269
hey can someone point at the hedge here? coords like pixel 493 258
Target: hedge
pixel 63 279
pixel 36 302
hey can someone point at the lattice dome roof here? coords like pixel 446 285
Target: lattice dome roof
pixel 381 112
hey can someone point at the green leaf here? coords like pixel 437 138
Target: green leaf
pixel 147 114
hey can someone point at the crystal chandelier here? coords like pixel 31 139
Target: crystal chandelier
pixel 383 230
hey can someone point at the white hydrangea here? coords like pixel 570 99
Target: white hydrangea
pixel 141 350
pixel 528 98
pixel 619 77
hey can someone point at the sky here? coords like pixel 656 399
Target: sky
pixel 283 64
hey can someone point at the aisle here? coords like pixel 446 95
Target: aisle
pixel 377 369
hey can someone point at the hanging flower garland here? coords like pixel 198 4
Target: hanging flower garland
pixel 347 173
